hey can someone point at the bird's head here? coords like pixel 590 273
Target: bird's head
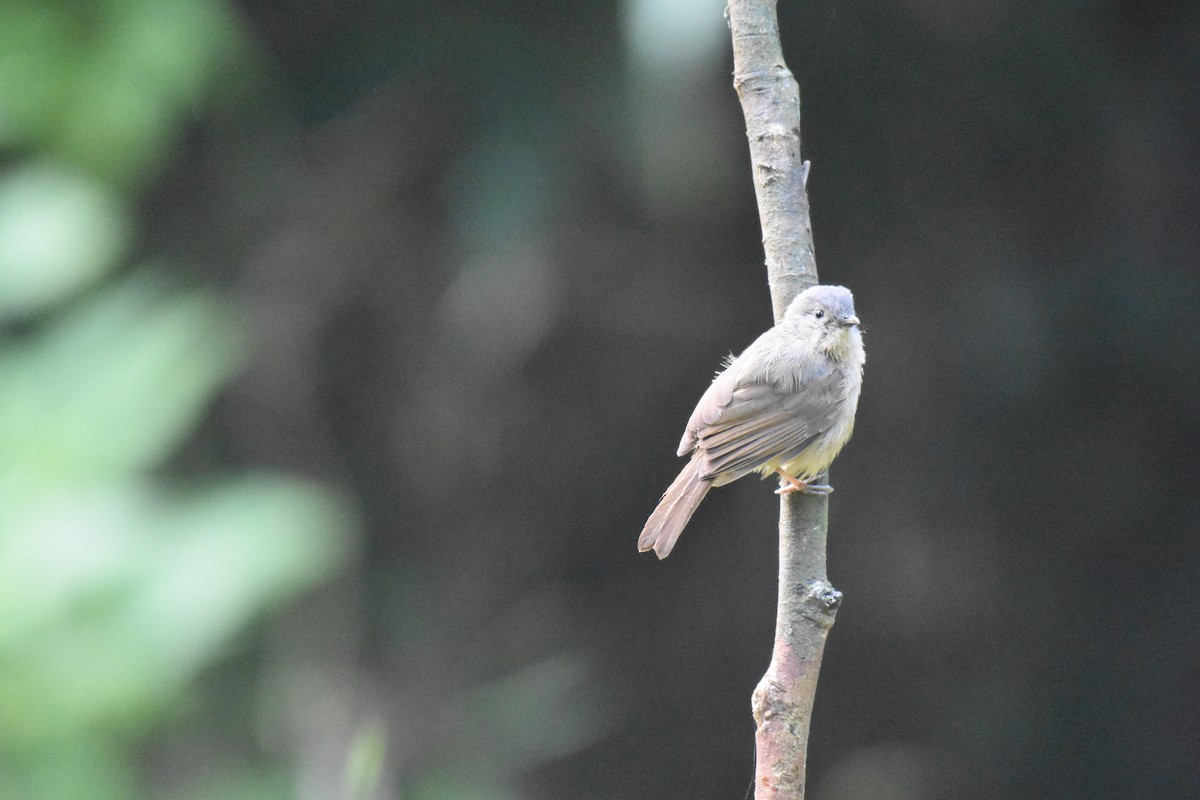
pixel 825 314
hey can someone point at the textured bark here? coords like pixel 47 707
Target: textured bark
pixel 771 104
pixel 783 701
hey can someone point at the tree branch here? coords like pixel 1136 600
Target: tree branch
pixel 783 700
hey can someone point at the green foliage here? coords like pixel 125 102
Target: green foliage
pixel 364 766
pixel 106 84
pixel 109 388
pixel 58 231
pixel 116 587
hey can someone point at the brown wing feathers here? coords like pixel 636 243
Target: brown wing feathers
pixel 763 423
pixel 678 504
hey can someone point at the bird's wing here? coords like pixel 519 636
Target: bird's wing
pixel 763 421
pixel 710 408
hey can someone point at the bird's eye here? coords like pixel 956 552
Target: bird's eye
pixel 820 315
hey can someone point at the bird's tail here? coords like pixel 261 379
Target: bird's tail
pixel 678 504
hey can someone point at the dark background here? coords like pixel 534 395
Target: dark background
pixel 486 256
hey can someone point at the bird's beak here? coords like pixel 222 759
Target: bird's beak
pixel 849 319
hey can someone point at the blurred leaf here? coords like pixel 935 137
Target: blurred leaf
pixel 71 551
pixel 161 588
pixel 37 59
pixel 107 84
pixel 364 766
pixel 58 232
pixel 110 389
pixel 148 68
pixel 236 549
pixel 82 769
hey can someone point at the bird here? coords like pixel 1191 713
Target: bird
pixel 784 406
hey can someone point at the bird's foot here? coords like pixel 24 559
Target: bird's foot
pixel 794 485
pixel 809 488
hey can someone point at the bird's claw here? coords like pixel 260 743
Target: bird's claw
pixel 793 485
pixel 809 488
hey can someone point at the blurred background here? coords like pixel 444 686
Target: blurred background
pixel 344 349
